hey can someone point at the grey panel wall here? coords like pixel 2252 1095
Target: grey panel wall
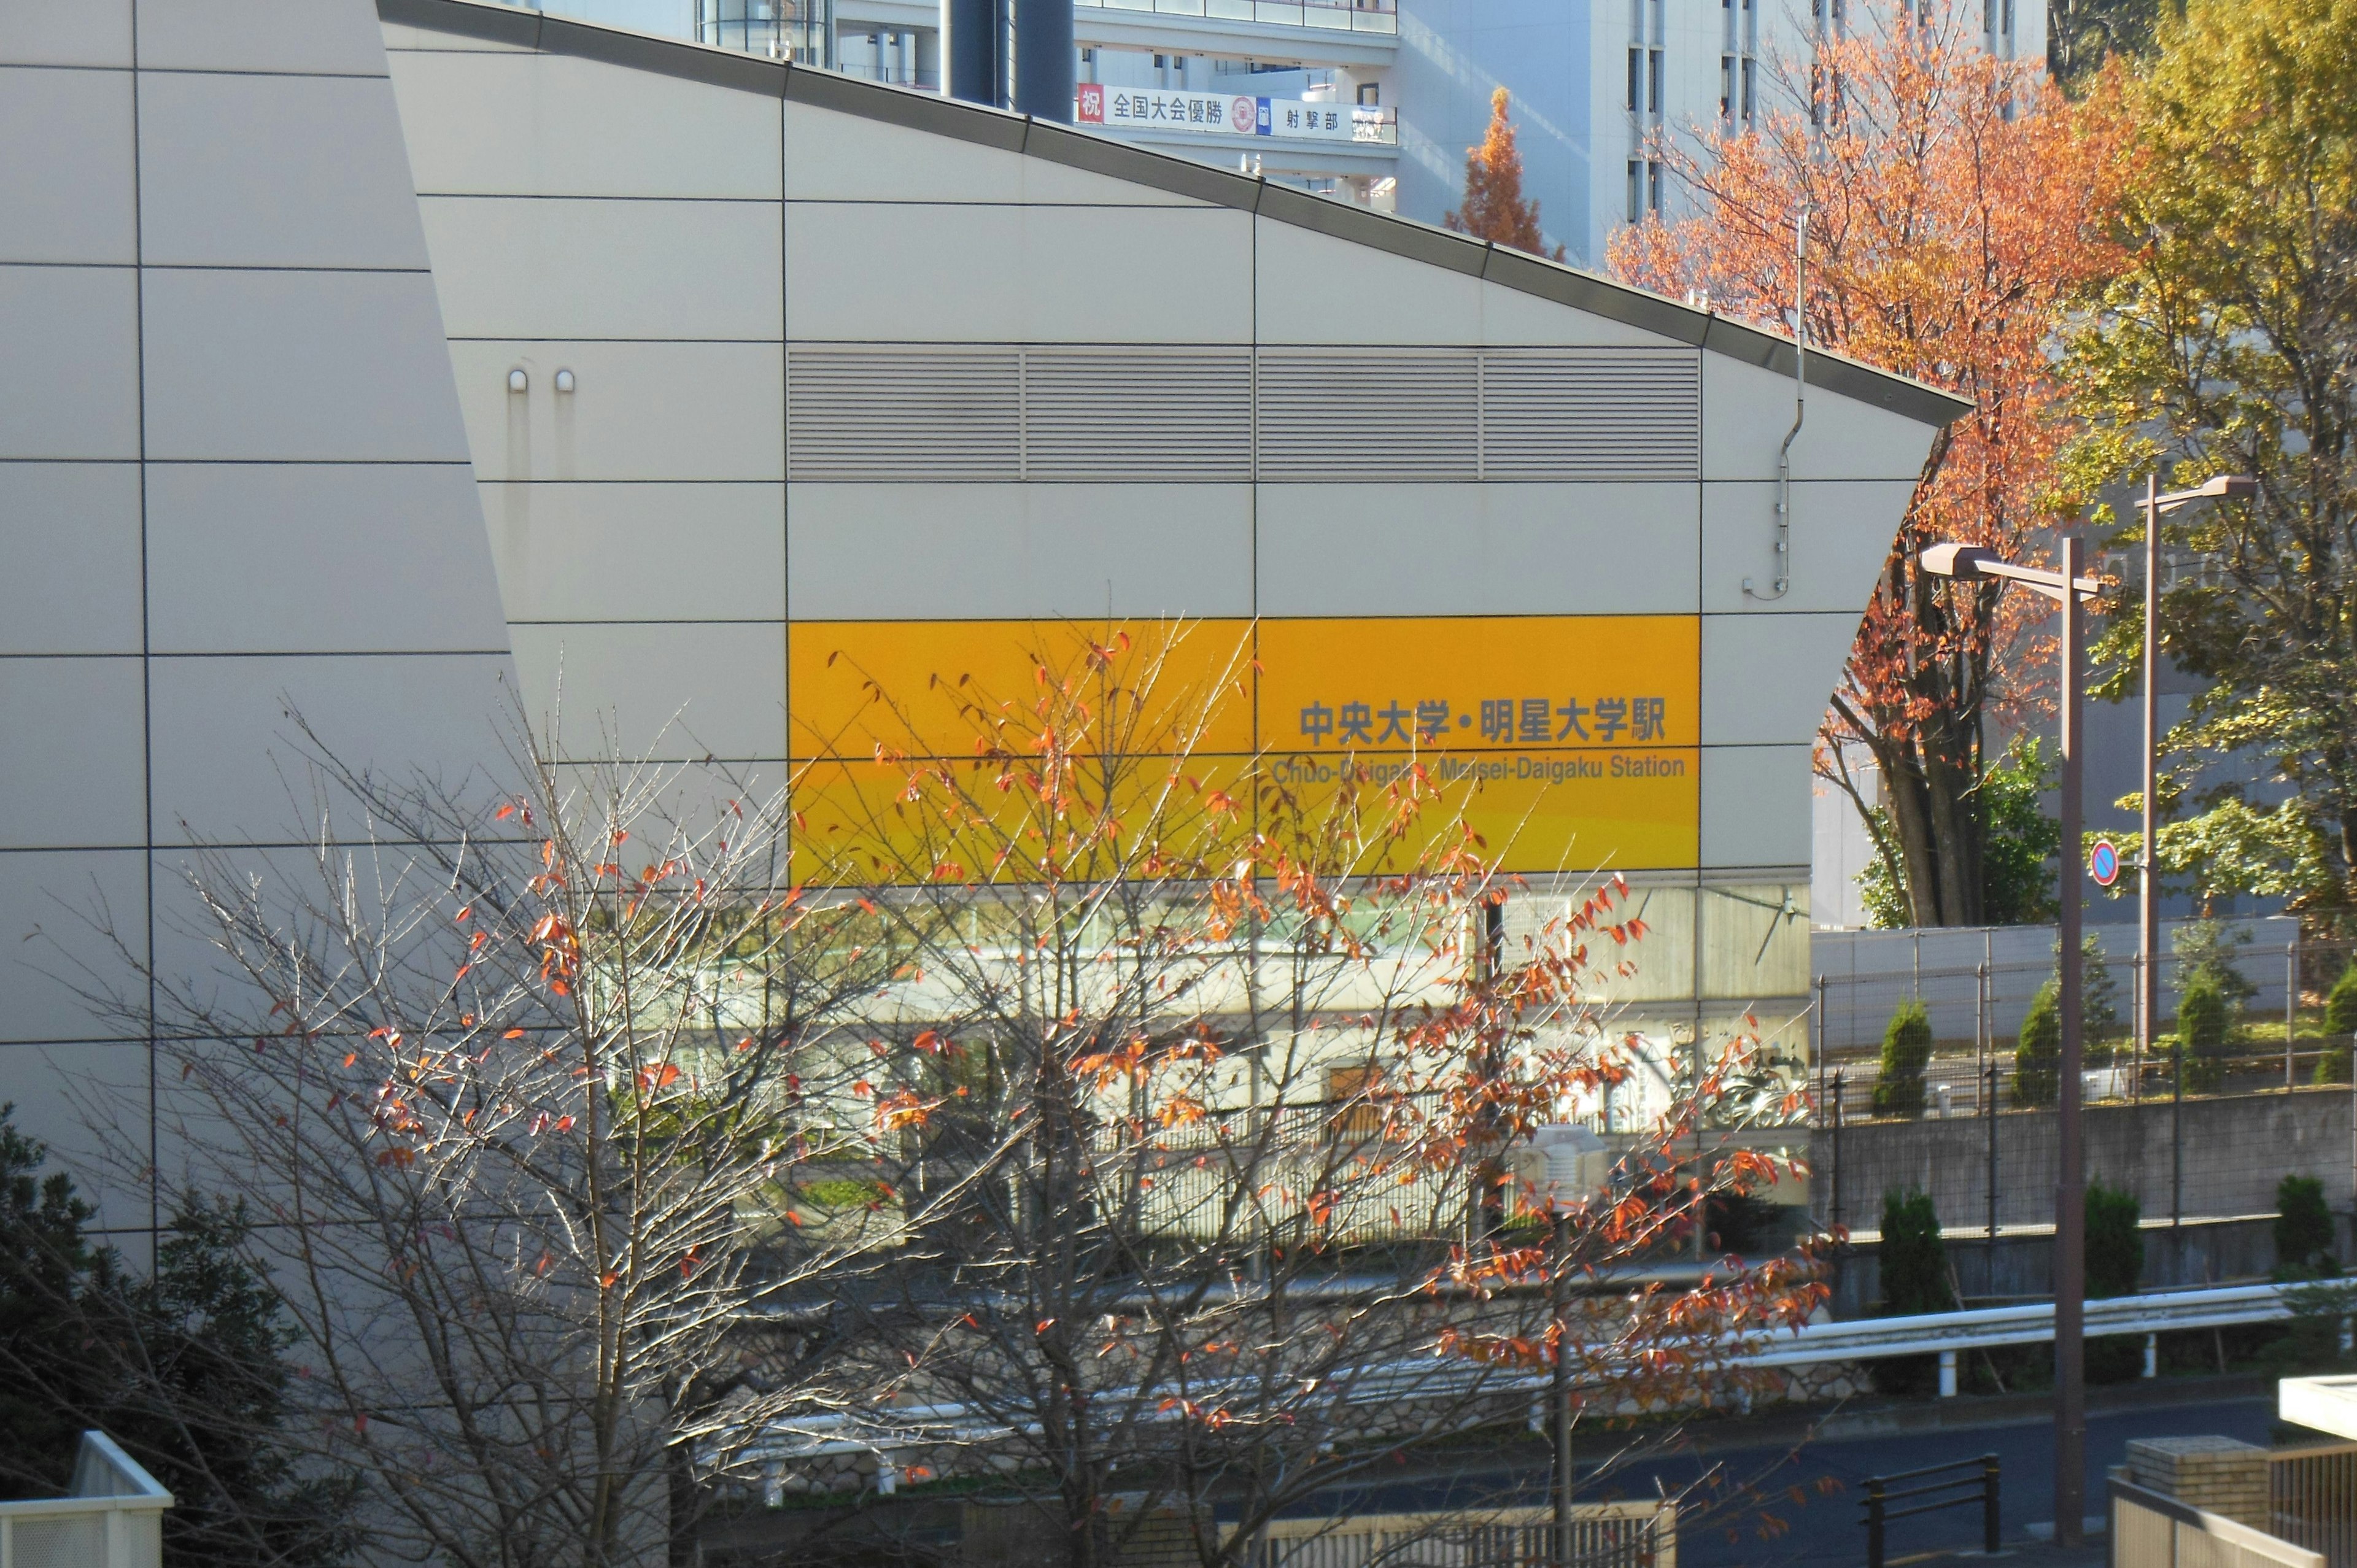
pixel 234 485
pixel 831 365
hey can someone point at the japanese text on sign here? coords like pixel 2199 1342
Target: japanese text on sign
pixel 1502 721
pixel 1212 114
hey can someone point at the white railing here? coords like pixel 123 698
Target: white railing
pixel 2150 1530
pixel 1637 1534
pixel 114 1517
pixel 1864 1338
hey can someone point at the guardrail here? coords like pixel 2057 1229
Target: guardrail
pixel 114 1517
pixel 1339 15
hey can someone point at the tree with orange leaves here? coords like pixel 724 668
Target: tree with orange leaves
pixel 1957 204
pixel 1494 208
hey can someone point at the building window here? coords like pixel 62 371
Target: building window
pixel 1371 95
pixel 1725 86
pixel 1653 187
pixel 1654 83
pixel 1636 79
pixel 1636 190
pixel 1750 82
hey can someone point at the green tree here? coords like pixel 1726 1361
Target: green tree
pixel 2202 1034
pixel 185 1369
pixel 2018 846
pixel 2303 1230
pixel 2229 345
pixel 1906 1052
pixel 2204 951
pixel 2038 1058
pixel 2340 1025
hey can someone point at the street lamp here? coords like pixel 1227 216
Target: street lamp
pixel 2155 506
pixel 1966 563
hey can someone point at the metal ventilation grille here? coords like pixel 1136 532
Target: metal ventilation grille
pixel 1121 414
pixel 1591 414
pixel 919 411
pixel 1338 414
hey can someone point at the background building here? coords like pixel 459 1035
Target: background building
pixel 1591 79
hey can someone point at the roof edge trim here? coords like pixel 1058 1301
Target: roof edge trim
pixel 494 22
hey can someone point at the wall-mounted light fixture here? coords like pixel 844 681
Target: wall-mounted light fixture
pixel 517 380
pixel 564 380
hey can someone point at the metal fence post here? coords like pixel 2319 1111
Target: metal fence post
pixel 1991 1517
pixel 1874 1521
pixel 2291 1003
pixel 1992 1179
pixel 1837 1148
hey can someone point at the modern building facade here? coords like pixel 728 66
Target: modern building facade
pixel 367 370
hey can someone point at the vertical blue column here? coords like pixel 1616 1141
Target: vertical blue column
pixel 1043 59
pixel 971 34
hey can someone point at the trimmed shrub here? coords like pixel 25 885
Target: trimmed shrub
pixel 2202 1034
pixel 1906 1052
pixel 2114 1266
pixel 2038 1059
pixel 2340 1023
pixel 2303 1230
pixel 1914 1262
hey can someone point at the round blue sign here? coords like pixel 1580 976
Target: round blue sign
pixel 2104 863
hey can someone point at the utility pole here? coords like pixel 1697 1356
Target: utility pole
pixel 2070 1183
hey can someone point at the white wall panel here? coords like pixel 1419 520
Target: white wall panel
pixel 1755 807
pixel 65 182
pixel 73 770
pixel 1536 549
pixel 963 551
pixel 1767 678
pixel 560 268
pixel 68 337
pixel 593 552
pixel 676 691
pixel 294 558
pixel 500 125
pixel 639 410
pixel 1746 411
pixel 229 761
pixel 56 32
pixel 69 558
pixel 831 156
pixel 966 274
pixel 245 170
pixel 1842 531
pixel 327 36
pixel 1315 288
pixel 315 366
pixel 55 906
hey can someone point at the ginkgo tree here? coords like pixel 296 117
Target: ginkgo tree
pixel 1958 206
pixel 1203 1087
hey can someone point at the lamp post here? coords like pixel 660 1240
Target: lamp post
pixel 1965 564
pixel 2156 506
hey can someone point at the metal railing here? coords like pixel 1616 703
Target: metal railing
pixel 1988 1328
pixel 113 1518
pixel 2150 1530
pixel 2312 1500
pixel 1963 1483
pixel 1604 1535
pixel 1336 15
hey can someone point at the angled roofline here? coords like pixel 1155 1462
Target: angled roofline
pixel 494 22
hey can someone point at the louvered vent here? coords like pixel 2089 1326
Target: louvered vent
pixel 1340 414
pixel 1172 415
pixel 1606 413
pixel 919 412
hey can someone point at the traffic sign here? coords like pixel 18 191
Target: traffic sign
pixel 2104 863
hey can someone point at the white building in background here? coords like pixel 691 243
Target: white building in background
pixel 378 367
pixel 1591 81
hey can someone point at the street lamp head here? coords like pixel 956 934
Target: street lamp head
pixel 1959 560
pixel 2233 487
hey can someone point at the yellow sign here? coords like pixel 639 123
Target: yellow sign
pixel 1569 741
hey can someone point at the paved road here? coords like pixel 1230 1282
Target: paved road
pixel 1825 1529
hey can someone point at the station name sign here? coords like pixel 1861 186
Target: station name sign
pixel 1213 114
